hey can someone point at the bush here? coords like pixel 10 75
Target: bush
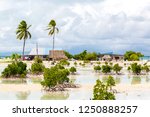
pixel 110 82
pixel 37 67
pixel 38 60
pixel 54 76
pixel 117 68
pixel 72 70
pixel 97 68
pixel 101 92
pixel 106 69
pixel 136 68
pixel 75 63
pixel 16 69
pixel 64 62
pixel 146 68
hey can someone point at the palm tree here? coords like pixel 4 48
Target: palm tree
pixel 52 31
pixel 23 33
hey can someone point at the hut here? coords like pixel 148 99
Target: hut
pixel 57 55
pixel 106 58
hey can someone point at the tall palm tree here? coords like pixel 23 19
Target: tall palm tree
pixel 23 33
pixel 52 31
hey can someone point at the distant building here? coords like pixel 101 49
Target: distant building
pixel 41 52
pixel 57 54
pixel 111 57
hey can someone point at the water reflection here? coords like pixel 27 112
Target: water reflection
pixel 22 95
pixel 55 96
pixel 136 80
pixel 118 80
pixel 13 81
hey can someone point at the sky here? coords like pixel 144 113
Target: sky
pixel 94 25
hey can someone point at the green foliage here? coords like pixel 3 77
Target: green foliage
pixel 146 68
pixel 136 68
pixel 101 91
pixel 110 82
pixel 16 69
pixel 37 67
pixel 81 55
pixel 98 63
pixel 106 69
pixel 68 55
pixel 129 68
pixel 72 70
pixel 38 60
pixel 54 76
pixel 75 63
pixel 90 56
pixel 97 68
pixel 117 68
pixel 15 56
pixel 132 56
pixel 64 62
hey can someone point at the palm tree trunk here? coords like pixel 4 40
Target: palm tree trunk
pixel 53 46
pixel 23 49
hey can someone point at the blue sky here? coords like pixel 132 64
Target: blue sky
pixel 95 25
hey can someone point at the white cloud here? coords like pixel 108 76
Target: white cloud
pixel 106 25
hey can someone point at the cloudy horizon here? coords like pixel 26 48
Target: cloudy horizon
pixel 94 25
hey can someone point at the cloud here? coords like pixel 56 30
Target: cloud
pixel 95 25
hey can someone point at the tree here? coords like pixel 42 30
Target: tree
pixel 136 68
pixel 72 70
pixel 23 33
pixel 117 68
pixel 110 82
pixel 15 57
pixel 132 56
pixel 81 55
pixel 146 68
pixel 70 56
pixel 52 31
pixel 100 92
pixel 97 68
pixel 106 69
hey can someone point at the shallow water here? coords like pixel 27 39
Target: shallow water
pixel 85 76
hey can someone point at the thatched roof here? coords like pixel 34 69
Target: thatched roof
pixel 106 57
pixel 57 54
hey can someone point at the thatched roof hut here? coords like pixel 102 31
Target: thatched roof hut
pixel 106 58
pixel 57 54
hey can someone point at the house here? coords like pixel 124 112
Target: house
pixel 40 52
pixel 111 57
pixel 57 55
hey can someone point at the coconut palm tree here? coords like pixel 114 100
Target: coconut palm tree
pixel 52 31
pixel 23 34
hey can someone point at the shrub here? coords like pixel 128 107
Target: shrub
pixel 75 63
pixel 16 69
pixel 37 67
pixel 117 68
pixel 54 76
pixel 146 68
pixel 72 70
pixel 64 62
pixel 38 60
pixel 101 92
pixel 106 69
pixel 136 68
pixel 97 68
pixel 110 82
